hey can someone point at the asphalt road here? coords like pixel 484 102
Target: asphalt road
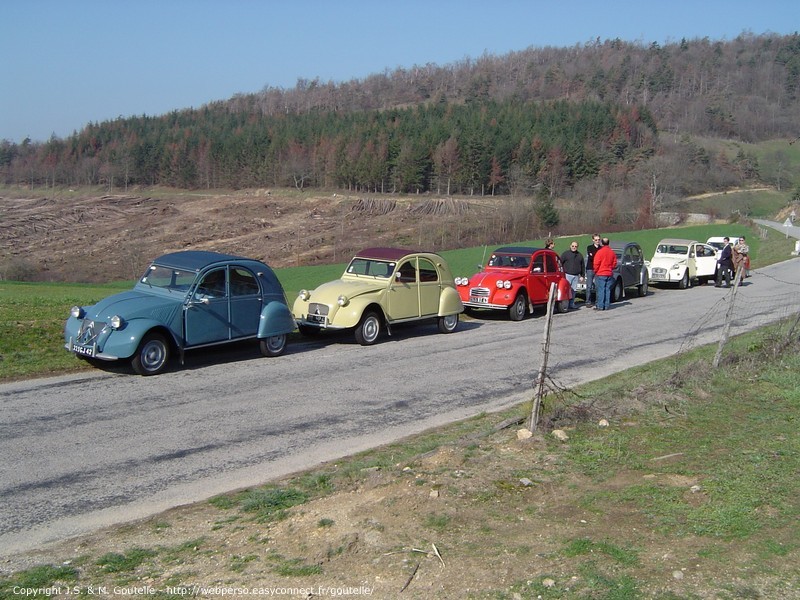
pixel 88 450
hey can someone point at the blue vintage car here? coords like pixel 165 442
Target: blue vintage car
pixel 184 300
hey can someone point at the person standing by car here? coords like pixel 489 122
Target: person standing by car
pixel 574 268
pixel 605 261
pixel 740 251
pixel 724 264
pixel 550 244
pixel 591 249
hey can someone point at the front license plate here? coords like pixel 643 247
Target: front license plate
pixel 316 319
pixel 84 350
pixel 479 300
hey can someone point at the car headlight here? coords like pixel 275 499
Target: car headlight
pixel 342 300
pixel 116 322
pixel 77 312
pixel 304 294
pixel 500 283
pixel 507 285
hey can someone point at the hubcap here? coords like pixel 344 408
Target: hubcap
pixel 275 343
pixel 371 329
pixel 153 356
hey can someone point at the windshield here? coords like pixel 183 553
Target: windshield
pixel 168 278
pixel 509 261
pixel 672 249
pixel 371 267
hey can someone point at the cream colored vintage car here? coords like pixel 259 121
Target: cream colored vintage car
pixel 382 287
pixel 682 262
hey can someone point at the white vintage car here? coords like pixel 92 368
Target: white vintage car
pixel 682 262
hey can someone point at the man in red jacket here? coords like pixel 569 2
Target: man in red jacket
pixel 605 261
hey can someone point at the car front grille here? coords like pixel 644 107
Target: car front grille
pixel 89 331
pixel 315 308
pixel 659 271
pixel 479 292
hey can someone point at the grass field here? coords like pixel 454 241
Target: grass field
pixel 32 315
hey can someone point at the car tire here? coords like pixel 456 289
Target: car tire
pixel 273 345
pixel 643 288
pixel 448 324
pixel 684 282
pixel 518 310
pixel 561 306
pixel 618 292
pixel 152 355
pixel 368 329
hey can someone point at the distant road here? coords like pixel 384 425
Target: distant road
pixel 93 449
pixel 792 231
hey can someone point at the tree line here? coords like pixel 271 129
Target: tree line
pixel 536 121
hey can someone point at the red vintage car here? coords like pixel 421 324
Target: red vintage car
pixel 516 279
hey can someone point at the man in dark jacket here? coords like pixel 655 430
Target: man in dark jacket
pixel 575 269
pixel 724 264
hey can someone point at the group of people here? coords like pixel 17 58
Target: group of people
pixel 596 270
pixel 731 259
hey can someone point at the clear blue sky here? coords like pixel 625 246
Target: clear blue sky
pixel 65 63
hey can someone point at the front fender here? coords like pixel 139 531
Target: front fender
pixel 350 315
pixel 123 343
pixel 276 319
pixel 450 302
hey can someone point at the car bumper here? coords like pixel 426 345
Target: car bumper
pixel 485 305
pixel 318 322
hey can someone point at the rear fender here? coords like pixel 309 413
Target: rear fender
pixel 450 302
pixel 276 319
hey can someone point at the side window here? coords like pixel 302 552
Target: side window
pixel 427 270
pixel 408 272
pixel 212 285
pixel 243 282
pixel 538 263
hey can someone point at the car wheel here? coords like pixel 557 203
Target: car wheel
pixel 368 330
pixel 273 345
pixel 684 282
pixel 448 324
pixel 152 355
pixel 642 288
pixel 516 312
pixel 561 306
pixel 617 292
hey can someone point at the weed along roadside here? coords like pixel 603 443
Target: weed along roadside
pixel 689 492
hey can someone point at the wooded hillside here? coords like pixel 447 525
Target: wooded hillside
pixel 583 123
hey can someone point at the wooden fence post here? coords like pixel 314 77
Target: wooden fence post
pixel 542 376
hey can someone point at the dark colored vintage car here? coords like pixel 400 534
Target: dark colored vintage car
pixel 184 300
pixel 379 288
pixel 516 279
pixel 631 271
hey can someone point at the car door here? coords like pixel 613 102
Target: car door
pixel 537 280
pixel 429 288
pixel 245 302
pixel 706 257
pixel 631 266
pixel 403 297
pixel 206 313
